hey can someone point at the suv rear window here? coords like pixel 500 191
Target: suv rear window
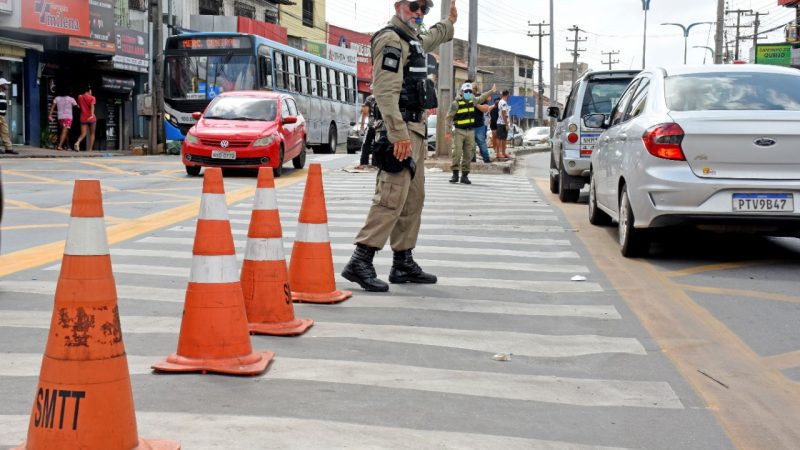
pixel 602 95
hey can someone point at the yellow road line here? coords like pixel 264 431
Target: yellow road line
pixel 25 205
pixel 35 177
pixel 29 227
pixel 108 168
pixel 49 253
pixel 740 293
pixel 758 407
pixel 163 194
pixel 142 202
pixel 784 361
pixel 717 267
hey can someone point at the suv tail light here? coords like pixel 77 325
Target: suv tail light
pixel 572 138
pixel 664 141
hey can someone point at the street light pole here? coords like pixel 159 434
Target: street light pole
pixel 645 7
pixel 686 35
pixel 713 53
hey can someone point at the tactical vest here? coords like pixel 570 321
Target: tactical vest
pixel 418 92
pixel 465 115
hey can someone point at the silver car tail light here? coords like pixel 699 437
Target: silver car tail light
pixel 664 141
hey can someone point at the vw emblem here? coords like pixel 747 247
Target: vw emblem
pixel 765 142
pixel 223 143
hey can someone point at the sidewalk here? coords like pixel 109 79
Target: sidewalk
pixel 495 167
pixel 26 151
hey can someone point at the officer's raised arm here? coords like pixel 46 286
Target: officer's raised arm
pixel 441 32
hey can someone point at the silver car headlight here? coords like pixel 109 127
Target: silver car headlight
pixel 264 141
pixel 192 139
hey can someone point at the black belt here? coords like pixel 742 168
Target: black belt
pixel 411 116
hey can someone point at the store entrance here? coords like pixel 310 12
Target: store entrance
pixel 11 70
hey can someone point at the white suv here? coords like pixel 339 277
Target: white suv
pixel 573 142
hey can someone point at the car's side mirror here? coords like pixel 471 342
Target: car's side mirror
pixel 290 119
pixel 197 115
pixel 553 111
pixel 595 121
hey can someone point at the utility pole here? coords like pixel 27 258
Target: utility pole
pixel 739 13
pixel 540 94
pixel 575 52
pixel 553 96
pixel 610 55
pixel 157 92
pixel 719 34
pixel 445 88
pixel 472 58
pixel 756 24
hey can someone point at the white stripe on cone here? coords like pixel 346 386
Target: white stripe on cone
pixel 213 207
pixel 86 236
pixel 260 249
pixel 265 199
pixel 214 269
pixel 312 232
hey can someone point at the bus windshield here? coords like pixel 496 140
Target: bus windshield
pixel 205 77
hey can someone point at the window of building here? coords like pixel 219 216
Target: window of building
pixel 210 7
pixel 272 13
pixel 139 5
pixel 241 9
pixel 308 13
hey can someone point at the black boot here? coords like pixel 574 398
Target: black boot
pixel 455 177
pixel 360 270
pixel 406 270
pixel 465 178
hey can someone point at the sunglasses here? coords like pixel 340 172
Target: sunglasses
pixel 468 91
pixel 414 7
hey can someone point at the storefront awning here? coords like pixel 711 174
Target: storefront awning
pixel 21 44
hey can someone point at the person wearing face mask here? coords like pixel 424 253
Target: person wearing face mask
pixel 462 117
pixel 403 93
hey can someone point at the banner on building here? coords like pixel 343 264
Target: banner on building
pixel 315 48
pixel 361 43
pixel 67 17
pixel 101 20
pixel 343 55
pixel 774 54
pixel 131 51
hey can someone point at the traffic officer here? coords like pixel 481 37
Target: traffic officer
pixel 462 115
pixel 403 93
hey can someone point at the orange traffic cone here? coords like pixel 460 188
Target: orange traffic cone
pixel 84 397
pixel 214 335
pixel 265 280
pixel 311 267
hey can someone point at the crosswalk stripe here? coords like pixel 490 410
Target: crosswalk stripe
pixel 205 431
pixel 143 293
pixel 382 259
pixel 536 388
pixel 425 226
pixel 524 344
pixel 429 217
pixel 239 209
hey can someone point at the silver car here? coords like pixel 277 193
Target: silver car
pixel 537 137
pixel 714 147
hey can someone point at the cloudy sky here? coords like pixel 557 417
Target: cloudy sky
pixel 610 25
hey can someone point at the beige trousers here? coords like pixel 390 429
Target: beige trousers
pixel 396 209
pixel 463 149
pixel 5 135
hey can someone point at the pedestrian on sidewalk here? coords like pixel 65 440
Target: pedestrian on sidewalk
pixel 503 122
pixel 462 118
pixel 86 101
pixel 493 123
pixel 482 110
pixel 5 135
pixel 369 116
pixel 64 103
pixel 400 66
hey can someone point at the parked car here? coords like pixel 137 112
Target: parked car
pixel 246 129
pixel 537 137
pixel 354 139
pixel 515 136
pixel 595 92
pixel 431 133
pixel 713 147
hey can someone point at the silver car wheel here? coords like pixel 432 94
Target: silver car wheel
pixel 623 219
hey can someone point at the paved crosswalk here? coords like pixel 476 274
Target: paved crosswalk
pixel 413 368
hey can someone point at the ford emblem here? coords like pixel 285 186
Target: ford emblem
pixel 224 144
pixel 765 142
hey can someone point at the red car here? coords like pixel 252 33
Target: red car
pixel 246 129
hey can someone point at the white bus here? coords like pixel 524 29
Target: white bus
pixel 199 66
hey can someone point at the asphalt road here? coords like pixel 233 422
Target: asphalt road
pixel 672 352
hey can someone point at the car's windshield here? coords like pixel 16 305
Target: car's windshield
pixel 241 108
pixel 602 95
pixel 205 77
pixel 733 91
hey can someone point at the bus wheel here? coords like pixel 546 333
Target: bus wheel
pixel 278 171
pixel 193 170
pixel 299 161
pixel 330 147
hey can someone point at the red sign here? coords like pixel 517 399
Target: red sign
pixel 69 17
pixel 788 2
pixel 270 31
pixel 360 42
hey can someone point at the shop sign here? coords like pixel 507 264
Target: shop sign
pixel 90 45
pixel 343 55
pixel 69 17
pixel 7 6
pixel 315 48
pixel 131 48
pixel 117 83
pixel 360 42
pixel 774 54
pixel 101 20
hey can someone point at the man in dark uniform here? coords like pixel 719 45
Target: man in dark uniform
pixel 403 93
